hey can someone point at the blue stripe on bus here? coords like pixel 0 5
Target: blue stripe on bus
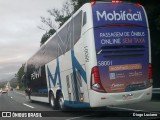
pixel 74 104
pixel 57 73
pixel 76 65
pixel 49 75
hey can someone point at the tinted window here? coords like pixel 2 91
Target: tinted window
pixel 84 18
pixel 60 43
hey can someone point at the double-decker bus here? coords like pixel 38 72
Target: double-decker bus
pixel 101 56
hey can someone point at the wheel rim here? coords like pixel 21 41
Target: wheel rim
pixel 61 102
pixel 52 100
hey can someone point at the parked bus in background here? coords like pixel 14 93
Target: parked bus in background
pixel 101 56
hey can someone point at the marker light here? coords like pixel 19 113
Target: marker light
pixel 93 2
pixel 81 99
pixel 96 84
pixel 149 71
pixel 138 4
pixel 116 1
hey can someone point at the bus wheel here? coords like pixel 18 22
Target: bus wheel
pixel 52 101
pixel 61 102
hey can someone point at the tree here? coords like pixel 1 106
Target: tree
pixel 19 75
pixel 78 3
pixel 1 85
pixel 60 16
pixel 47 35
pixel 13 82
pixel 153 11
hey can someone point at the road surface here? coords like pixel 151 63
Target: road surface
pixel 15 102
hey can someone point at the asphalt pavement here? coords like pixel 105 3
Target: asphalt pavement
pixel 16 103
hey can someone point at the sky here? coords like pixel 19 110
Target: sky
pixel 19 33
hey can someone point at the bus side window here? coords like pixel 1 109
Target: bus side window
pixel 84 18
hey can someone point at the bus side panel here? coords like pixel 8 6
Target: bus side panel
pixel 70 77
pixel 36 82
pixel 74 84
pixel 90 54
pixel 88 43
pixel 50 76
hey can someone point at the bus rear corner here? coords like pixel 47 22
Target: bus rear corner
pixel 98 99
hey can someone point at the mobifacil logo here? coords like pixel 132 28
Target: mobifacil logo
pixel 121 15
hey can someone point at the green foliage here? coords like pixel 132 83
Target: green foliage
pixel 60 16
pixel 19 75
pixel 157 21
pixel 78 3
pixel 153 11
pixel 47 35
pixel 21 87
pixel 152 8
pixel 13 83
pixel 1 85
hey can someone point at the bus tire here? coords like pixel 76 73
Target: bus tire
pixel 52 101
pixel 61 102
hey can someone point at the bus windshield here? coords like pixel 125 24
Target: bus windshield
pixel 121 42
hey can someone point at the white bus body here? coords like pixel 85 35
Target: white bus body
pixel 107 61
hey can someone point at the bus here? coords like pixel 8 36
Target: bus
pixel 100 57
